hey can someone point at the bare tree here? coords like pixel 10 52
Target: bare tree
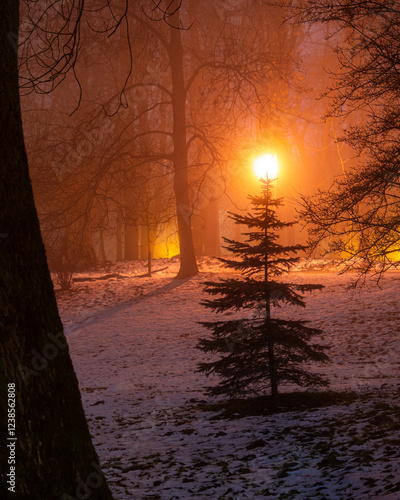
pixel 49 452
pixel 213 79
pixel 359 216
pixel 200 90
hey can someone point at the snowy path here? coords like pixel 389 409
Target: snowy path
pixel 136 361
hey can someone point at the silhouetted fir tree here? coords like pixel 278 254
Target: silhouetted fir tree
pixel 260 351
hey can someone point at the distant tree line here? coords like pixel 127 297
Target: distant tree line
pixel 156 144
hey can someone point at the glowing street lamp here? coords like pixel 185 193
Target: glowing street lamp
pixel 266 166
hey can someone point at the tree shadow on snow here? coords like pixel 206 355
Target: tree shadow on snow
pixel 264 405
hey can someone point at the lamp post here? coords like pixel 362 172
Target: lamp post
pixel 266 167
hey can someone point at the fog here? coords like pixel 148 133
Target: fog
pixel 148 140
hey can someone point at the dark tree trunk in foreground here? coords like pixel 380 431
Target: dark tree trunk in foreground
pixel 53 456
pixel 181 183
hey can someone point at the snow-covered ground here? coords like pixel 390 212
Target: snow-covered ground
pixel 132 341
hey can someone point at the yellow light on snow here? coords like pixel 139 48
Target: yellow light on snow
pixel 266 166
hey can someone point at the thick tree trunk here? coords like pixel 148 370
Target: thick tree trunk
pixel 188 265
pixel 102 250
pixel 131 242
pixel 118 243
pixel 53 456
pixel 144 249
pixel 212 245
pixel 149 249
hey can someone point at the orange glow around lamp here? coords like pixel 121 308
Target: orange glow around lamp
pixel 266 166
